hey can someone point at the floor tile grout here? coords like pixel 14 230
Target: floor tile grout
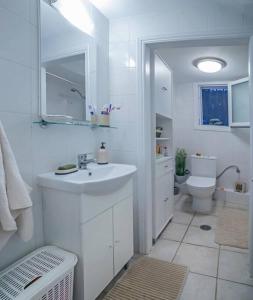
pixel 234 251
pixel 187 243
pixel 186 224
pixel 216 286
pixel 236 282
pixel 197 273
pixel 227 250
pixel 205 246
pixel 181 242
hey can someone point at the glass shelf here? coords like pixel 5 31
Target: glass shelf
pixel 44 124
pixel 162 139
pixel 162 158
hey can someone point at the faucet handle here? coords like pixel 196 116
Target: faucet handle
pixel 83 157
pixel 86 154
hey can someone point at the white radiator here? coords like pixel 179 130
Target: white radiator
pixel 45 274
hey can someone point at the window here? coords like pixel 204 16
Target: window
pixel 213 107
pixel 240 104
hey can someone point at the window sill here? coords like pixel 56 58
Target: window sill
pixel 240 125
pixel 213 128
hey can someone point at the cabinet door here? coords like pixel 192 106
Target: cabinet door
pixel 160 204
pixel 123 233
pixel 158 208
pixel 163 202
pixel 97 248
pixel 165 185
pixel 169 203
pixel 162 88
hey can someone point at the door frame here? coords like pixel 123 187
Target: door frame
pixel 251 153
pixel 144 192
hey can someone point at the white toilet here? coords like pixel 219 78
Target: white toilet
pixel 201 184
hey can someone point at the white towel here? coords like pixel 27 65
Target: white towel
pixel 15 201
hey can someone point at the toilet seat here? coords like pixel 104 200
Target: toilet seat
pixel 201 182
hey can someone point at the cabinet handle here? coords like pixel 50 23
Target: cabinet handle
pixel 117 242
pixel 110 246
pixel 166 166
pixel 166 199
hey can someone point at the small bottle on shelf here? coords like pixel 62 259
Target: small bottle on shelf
pixel 165 151
pixel 158 149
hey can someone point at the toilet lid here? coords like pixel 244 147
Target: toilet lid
pixel 203 182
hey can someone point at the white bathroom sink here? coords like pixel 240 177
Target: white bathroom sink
pixel 97 179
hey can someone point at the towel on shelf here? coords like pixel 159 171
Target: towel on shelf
pixel 15 201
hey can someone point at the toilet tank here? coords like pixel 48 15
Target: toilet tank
pixel 204 166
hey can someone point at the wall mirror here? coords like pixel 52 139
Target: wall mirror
pixel 68 68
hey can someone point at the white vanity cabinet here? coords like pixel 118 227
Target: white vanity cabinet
pixel 107 245
pixel 123 233
pixel 97 226
pixel 97 252
pixel 164 197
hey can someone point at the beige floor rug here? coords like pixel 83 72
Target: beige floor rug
pixel 232 228
pixel 150 279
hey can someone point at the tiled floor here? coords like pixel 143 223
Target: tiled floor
pixel 216 273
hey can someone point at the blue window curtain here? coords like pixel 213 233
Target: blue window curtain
pixel 215 105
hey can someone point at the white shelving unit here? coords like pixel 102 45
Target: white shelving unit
pixel 165 140
pixel 163 199
pixel 163 165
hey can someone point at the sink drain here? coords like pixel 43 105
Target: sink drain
pixel 205 227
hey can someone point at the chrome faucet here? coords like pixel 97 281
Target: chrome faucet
pixel 83 161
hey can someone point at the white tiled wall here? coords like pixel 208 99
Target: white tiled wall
pixel 37 150
pixel 181 18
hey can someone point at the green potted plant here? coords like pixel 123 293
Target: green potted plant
pixel 181 172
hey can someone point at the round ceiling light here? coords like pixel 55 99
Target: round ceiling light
pixel 209 64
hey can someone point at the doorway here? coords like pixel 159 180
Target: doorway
pixel 146 47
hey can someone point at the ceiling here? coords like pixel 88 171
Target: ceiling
pixel 179 58
pixel 123 8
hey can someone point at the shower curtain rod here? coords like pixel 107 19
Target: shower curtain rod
pixel 63 79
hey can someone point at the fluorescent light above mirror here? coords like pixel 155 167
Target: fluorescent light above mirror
pixel 209 64
pixel 76 13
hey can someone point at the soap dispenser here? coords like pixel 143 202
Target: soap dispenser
pixel 102 157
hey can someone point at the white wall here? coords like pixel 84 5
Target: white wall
pixel 184 18
pixel 37 150
pixel 230 148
